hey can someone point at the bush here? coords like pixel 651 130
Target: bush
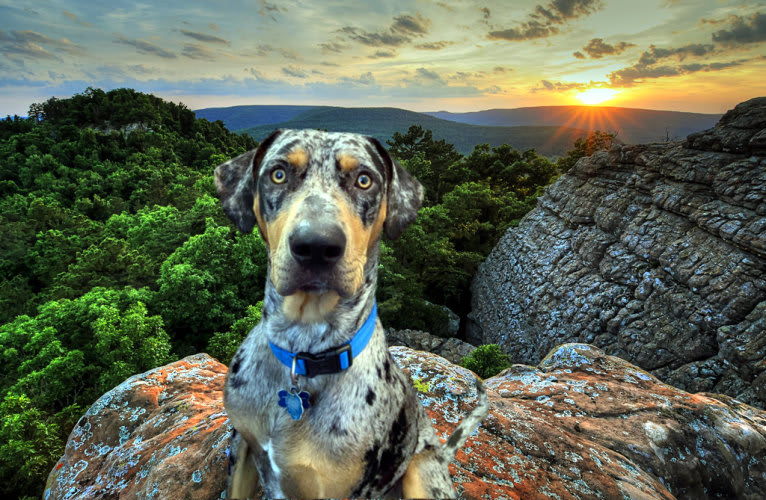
pixel 223 345
pixel 486 361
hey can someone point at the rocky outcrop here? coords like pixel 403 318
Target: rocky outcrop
pixel 452 349
pixel 161 434
pixel 580 425
pixel 656 253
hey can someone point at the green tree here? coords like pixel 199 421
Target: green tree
pixel 440 154
pixel 56 363
pixel 223 345
pixel 486 361
pixel 585 146
pixel 208 282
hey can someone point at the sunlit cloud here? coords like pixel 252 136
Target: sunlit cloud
pixel 743 30
pixel 546 20
pixel 462 56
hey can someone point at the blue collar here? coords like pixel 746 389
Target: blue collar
pixel 333 360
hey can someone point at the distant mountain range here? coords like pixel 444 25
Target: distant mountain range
pixel 551 130
pixel 632 125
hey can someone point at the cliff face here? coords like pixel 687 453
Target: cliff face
pixel 655 253
pixel 579 425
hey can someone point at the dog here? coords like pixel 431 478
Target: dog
pixel 318 405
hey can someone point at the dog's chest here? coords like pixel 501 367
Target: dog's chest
pixel 321 455
pixel 358 434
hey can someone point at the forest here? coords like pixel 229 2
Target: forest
pixel 116 256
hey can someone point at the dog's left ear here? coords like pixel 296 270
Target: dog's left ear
pixel 404 194
pixel 235 183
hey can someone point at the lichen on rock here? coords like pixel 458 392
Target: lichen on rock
pixel 581 424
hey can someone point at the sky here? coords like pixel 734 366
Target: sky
pixel 685 55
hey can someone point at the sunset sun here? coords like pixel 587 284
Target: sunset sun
pixel 596 95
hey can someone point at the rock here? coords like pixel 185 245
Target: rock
pixel 741 130
pixel 453 326
pixel 161 434
pixel 473 334
pixel 452 349
pixel 655 253
pixel 580 425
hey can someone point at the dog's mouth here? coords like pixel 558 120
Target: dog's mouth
pixel 310 283
pixel 315 287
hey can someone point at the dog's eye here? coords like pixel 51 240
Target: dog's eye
pixel 364 181
pixel 278 176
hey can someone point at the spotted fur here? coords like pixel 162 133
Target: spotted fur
pixel 365 435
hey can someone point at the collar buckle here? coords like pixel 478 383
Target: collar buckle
pixel 326 362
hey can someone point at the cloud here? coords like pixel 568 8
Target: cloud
pixel 294 71
pixel 597 48
pixel 428 75
pixel 365 79
pixel 214 27
pixel 402 31
pixel 692 68
pixel 743 30
pixel 118 71
pixel 30 44
pixel 264 49
pixel 548 86
pixel 502 69
pixel 426 83
pixel 381 54
pixel 461 76
pixel 269 9
pixel 407 24
pixel 628 77
pixel 198 52
pixel 332 47
pixel 145 47
pixel 445 6
pixel 545 20
pixel 485 15
pixel 202 37
pixel 654 54
pixel 661 62
pixel 434 45
pixel 76 19
pixel 579 55
pixel 252 84
pixel 263 79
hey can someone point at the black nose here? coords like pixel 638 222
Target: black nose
pixel 317 246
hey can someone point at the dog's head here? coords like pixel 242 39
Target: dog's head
pixel 321 201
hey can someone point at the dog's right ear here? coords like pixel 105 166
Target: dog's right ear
pixel 235 183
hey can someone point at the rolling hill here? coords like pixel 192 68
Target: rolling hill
pixel 240 117
pixel 631 125
pixel 550 129
pixel 381 123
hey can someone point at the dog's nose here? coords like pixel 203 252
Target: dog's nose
pixel 317 245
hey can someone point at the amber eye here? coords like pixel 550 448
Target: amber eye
pixel 278 176
pixel 364 181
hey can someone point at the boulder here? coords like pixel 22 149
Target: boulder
pixel 655 253
pixel 161 434
pixel 581 424
pixel 452 349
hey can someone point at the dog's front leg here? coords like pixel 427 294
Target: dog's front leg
pixel 243 474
